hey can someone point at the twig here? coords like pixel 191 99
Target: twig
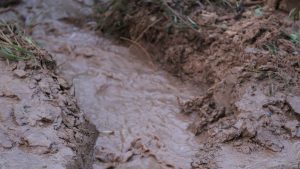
pixel 138 45
pixel 145 30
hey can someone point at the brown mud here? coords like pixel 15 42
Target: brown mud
pixel 41 124
pixel 133 104
pixel 239 101
pixel 245 61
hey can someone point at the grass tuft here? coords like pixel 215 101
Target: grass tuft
pixel 15 45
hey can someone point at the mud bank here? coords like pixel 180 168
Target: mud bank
pixel 245 60
pixel 41 125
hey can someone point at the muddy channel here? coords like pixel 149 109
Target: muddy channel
pixel 133 104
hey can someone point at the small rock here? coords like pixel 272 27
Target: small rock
pixel 20 73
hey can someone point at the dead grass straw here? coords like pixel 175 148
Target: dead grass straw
pixel 15 45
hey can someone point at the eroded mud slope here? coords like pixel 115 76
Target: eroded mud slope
pixel 247 59
pixel 41 125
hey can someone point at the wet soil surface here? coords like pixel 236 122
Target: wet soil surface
pixel 135 106
pixel 248 111
pixel 41 125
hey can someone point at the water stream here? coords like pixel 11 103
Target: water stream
pixel 133 104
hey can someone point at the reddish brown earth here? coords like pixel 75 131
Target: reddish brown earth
pixel 246 61
pixel 233 104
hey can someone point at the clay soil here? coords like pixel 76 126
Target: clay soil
pixel 246 58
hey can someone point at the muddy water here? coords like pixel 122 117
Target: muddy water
pixel 133 105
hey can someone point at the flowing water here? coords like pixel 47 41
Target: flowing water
pixel 134 106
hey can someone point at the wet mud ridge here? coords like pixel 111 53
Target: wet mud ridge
pixel 41 124
pixel 243 57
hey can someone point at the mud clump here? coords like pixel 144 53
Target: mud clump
pixel 40 119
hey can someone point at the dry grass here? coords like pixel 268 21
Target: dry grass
pixel 115 16
pixel 15 45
